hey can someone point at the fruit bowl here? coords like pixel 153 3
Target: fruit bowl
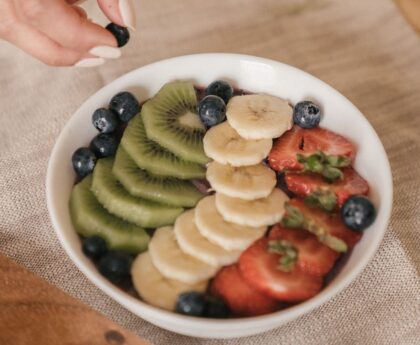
pixel 248 73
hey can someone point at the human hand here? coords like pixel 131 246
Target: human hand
pixel 58 33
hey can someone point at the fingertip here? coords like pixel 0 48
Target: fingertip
pixel 128 13
pixel 95 35
pixel 121 12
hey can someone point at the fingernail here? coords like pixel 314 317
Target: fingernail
pixel 128 13
pixel 90 62
pixel 106 52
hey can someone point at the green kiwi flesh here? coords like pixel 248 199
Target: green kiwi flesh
pixel 90 219
pixel 141 183
pixel 171 120
pixel 152 157
pixel 118 201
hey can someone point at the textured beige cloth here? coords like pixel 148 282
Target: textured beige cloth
pixel 364 48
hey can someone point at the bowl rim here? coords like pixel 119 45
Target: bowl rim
pixel 282 316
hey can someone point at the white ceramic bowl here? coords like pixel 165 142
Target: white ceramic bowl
pixel 256 75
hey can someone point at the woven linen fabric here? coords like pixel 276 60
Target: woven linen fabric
pixel 365 49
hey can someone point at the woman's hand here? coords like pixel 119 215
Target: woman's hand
pixel 58 33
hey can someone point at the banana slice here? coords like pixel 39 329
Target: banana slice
pixel 154 288
pixel 230 236
pixel 259 116
pixel 192 242
pixel 223 144
pixel 247 182
pixel 173 263
pixel 264 211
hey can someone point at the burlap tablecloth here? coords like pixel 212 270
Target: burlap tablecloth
pixel 363 48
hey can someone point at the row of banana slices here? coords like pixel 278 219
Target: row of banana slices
pixel 184 257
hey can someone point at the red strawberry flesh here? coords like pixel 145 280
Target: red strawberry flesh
pixel 283 155
pixel 313 256
pixel 241 298
pixel 331 222
pixel 303 184
pixel 259 268
pixel 321 139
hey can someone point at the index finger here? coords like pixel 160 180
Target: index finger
pixel 72 30
pixel 121 12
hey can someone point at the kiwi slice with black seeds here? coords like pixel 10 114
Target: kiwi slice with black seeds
pixel 152 157
pixel 118 201
pixel 90 219
pixel 141 183
pixel 171 120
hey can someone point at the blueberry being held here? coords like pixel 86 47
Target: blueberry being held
pixel 83 161
pixel 105 121
pixel 220 88
pixel 125 105
pixel 104 145
pixel 212 110
pixel 306 114
pixel 358 213
pixel 120 33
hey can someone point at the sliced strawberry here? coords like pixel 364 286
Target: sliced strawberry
pixel 306 142
pixel 283 154
pixel 260 269
pixel 241 298
pixel 313 256
pixel 321 139
pixel 303 184
pixel 330 222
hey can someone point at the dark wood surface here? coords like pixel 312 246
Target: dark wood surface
pixel 411 10
pixel 35 312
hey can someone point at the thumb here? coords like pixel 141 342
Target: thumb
pixel 121 12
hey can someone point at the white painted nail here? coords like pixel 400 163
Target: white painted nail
pixel 128 13
pixel 90 62
pixel 106 52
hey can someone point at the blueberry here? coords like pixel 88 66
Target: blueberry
pixel 306 114
pixel 115 266
pixel 191 303
pixel 120 33
pixel 358 213
pixel 104 145
pixel 216 308
pixel 125 105
pixel 83 161
pixel 212 110
pixel 220 88
pixel 94 247
pixel 104 120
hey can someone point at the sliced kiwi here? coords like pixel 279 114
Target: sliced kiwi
pixel 152 157
pixel 116 199
pixel 90 218
pixel 171 119
pixel 141 183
